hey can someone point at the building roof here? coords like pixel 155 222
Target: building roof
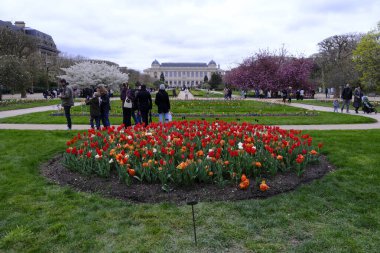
pixel 183 64
pixel 45 41
pixel 9 25
pixel 212 62
pixel 155 62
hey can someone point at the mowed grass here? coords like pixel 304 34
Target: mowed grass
pixel 338 213
pixel 235 110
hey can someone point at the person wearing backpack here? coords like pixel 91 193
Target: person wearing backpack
pixel 127 97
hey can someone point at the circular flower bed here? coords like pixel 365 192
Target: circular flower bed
pixel 188 152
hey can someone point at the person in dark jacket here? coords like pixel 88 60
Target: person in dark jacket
pixel 284 93
pixel 127 97
pixel 144 103
pixel 105 105
pixel 358 94
pixel 94 104
pixel 346 97
pixel 67 98
pixel 163 104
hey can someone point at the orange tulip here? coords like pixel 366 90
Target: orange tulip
pixel 258 164
pixel 244 185
pixel 243 177
pixel 131 172
pixel 313 152
pixel 263 186
pixel 210 173
pixel 280 157
pixel 182 165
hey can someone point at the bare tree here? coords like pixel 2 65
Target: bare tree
pixel 335 60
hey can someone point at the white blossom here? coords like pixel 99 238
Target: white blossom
pixel 86 74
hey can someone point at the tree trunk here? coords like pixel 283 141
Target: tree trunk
pixel 23 93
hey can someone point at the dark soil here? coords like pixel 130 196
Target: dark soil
pixel 153 193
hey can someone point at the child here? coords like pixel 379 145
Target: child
pixel 94 103
pixel 336 105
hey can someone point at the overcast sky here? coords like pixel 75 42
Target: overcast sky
pixel 134 33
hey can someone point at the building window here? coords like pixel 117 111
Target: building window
pixel 192 73
pixel 188 74
pixel 175 73
pixel 196 74
pixel 166 74
pixel 179 73
pixel 155 74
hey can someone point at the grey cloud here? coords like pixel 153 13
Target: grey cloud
pixel 134 33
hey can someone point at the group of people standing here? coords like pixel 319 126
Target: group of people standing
pixel 136 104
pixel 100 107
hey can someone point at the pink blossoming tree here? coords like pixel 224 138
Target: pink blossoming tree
pixel 268 71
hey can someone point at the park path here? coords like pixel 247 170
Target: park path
pixel 181 95
pixel 375 125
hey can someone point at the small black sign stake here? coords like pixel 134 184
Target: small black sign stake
pixel 192 203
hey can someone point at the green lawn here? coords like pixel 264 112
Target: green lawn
pixel 210 110
pixel 339 213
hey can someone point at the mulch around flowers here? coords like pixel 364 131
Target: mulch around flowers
pixel 152 193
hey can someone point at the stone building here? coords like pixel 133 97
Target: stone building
pixel 45 42
pixel 181 74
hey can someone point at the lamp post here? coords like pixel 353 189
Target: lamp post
pixel 47 77
pixel 47 65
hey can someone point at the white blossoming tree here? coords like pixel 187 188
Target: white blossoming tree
pixel 89 74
